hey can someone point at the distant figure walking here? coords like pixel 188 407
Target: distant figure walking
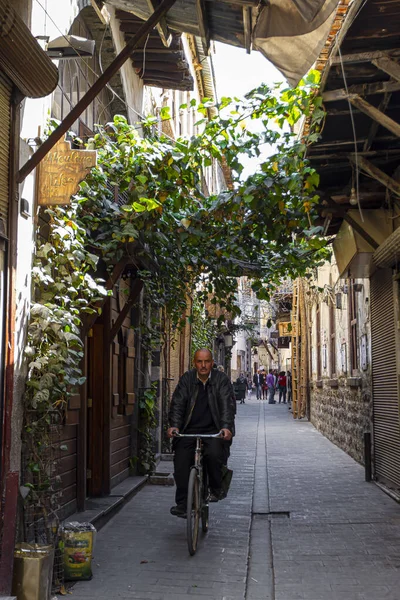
pixel 271 387
pixel 257 380
pixel 282 386
pixel 241 388
pixel 249 385
pixel 289 389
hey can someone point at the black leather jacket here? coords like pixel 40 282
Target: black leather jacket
pixel 219 399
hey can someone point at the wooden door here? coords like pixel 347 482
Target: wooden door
pixel 96 451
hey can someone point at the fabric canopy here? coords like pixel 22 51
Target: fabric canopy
pixel 292 33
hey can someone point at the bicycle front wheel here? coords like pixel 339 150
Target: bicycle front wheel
pixel 193 511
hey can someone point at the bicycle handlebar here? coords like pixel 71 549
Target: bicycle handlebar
pixel 198 435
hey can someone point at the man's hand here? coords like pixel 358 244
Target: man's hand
pixel 226 434
pixel 172 431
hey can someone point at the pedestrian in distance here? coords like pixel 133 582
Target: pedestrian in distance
pixel 249 385
pixel 282 387
pixel 289 389
pixel 201 403
pixel 241 388
pixel 271 387
pixel 264 386
pixel 257 382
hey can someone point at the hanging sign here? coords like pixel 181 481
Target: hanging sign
pixel 61 171
pixel 284 342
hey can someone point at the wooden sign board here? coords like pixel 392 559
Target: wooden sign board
pixel 61 171
pixel 284 329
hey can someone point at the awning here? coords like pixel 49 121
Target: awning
pixel 22 58
pixel 388 253
pixel 289 33
pixel 292 33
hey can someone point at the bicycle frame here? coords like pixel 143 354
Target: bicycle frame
pixel 197 506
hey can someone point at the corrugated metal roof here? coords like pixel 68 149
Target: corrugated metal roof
pixel 224 20
pixel 154 63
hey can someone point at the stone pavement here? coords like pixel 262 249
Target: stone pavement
pixel 300 523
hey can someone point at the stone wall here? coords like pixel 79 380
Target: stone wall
pixel 341 392
pixel 342 414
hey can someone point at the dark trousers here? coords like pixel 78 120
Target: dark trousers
pixel 282 392
pixel 215 454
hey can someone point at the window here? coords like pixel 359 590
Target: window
pixel 353 328
pixel 319 349
pixel 332 338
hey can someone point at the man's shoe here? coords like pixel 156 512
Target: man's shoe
pixel 178 511
pixel 216 496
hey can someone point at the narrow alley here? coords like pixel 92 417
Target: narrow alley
pixel 300 523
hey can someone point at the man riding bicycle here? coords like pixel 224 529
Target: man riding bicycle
pixel 201 403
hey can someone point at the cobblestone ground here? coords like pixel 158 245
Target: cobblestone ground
pixel 318 531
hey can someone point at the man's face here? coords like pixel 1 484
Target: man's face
pixel 203 362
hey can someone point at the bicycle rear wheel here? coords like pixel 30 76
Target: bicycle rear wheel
pixel 204 507
pixel 193 511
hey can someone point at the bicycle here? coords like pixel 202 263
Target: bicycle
pixel 197 499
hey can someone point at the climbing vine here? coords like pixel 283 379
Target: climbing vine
pixel 203 329
pixel 179 237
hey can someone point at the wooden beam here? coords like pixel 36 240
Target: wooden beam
pixel 376 173
pixel 137 287
pixel 162 27
pixel 375 114
pixel 89 320
pixel 360 57
pixel 254 3
pixel 93 91
pixel 389 66
pixel 203 25
pixel 384 103
pixel 368 89
pixel 247 28
pixel 356 226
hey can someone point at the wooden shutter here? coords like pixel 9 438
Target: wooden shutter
pixel 115 397
pixel 5 134
pixel 384 380
pixel 129 378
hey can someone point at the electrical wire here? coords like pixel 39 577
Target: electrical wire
pixel 354 134
pixel 104 107
pixel 109 87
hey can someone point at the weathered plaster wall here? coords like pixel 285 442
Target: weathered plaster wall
pixel 340 401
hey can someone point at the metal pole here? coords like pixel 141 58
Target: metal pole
pixel 367 456
pixel 91 94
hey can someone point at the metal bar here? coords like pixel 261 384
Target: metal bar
pixel 367 455
pixel 91 94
